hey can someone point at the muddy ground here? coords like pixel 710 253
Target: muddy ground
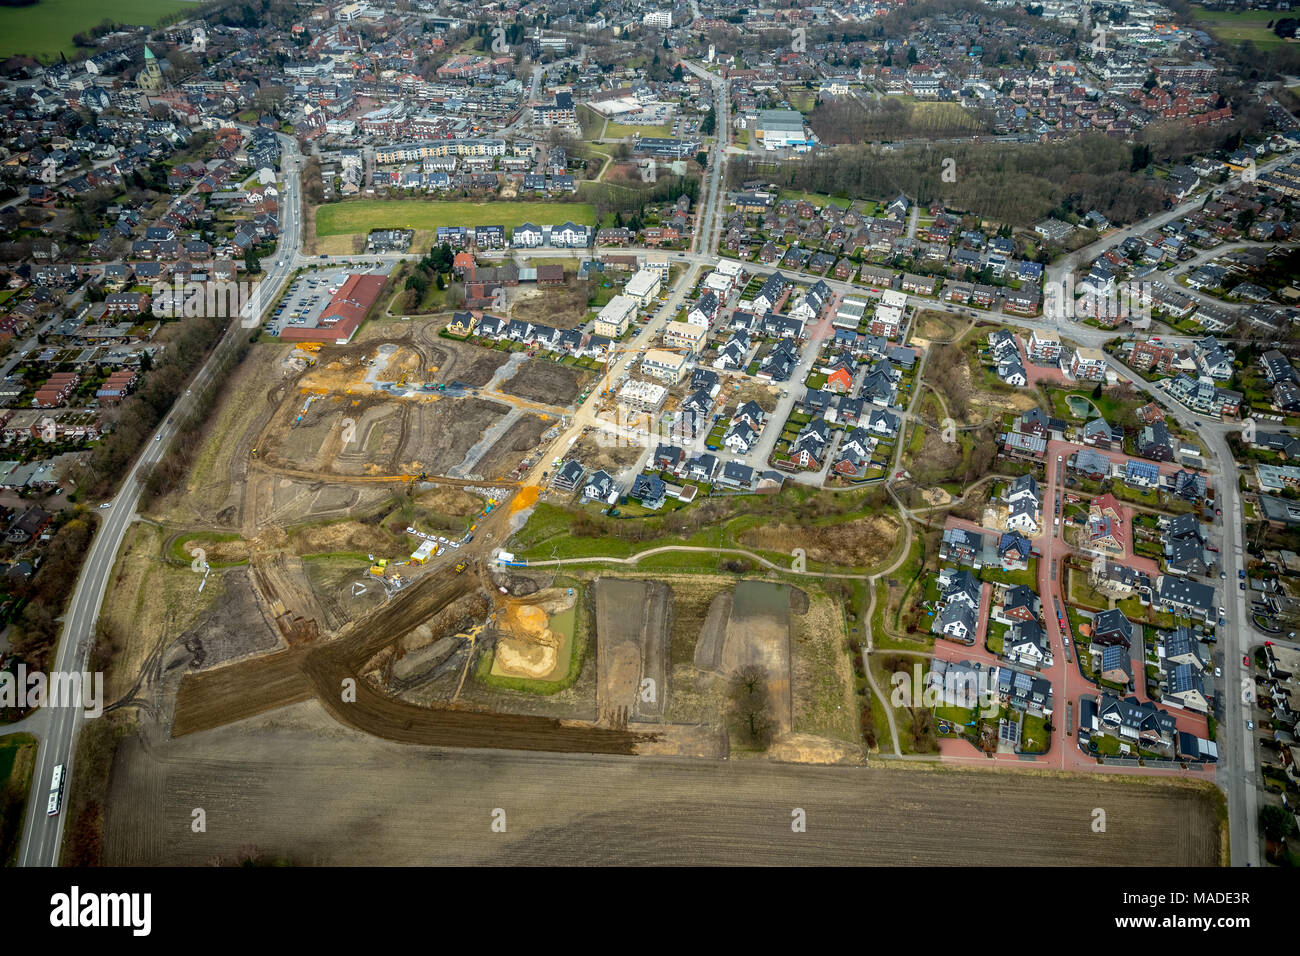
pixel 632 619
pixel 520 440
pixel 561 307
pixel 542 380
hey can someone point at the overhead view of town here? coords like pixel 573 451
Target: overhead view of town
pixel 649 432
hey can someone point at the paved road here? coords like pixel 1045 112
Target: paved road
pixel 42 835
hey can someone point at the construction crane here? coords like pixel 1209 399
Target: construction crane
pixel 614 350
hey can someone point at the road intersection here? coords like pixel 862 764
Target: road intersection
pixel 57 729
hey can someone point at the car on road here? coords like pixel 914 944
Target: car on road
pixel 1245 660
pixel 1242 585
pixel 157 437
pixel 1250 725
pixel 106 504
pixel 1222 575
pixel 1241 573
pixel 1060 458
pixel 1218 672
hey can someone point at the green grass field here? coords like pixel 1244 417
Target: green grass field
pixel 45 30
pixel 15 783
pixel 1250 25
pixel 618 130
pixel 817 199
pixel 360 216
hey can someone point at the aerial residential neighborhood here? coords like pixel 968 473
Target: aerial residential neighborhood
pixel 634 433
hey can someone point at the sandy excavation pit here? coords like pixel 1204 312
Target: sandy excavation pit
pixel 535 637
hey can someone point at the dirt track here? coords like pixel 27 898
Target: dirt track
pixel 228 694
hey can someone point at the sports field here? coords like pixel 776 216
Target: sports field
pixel 358 217
pixel 45 30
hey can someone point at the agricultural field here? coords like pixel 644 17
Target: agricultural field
pixel 370 800
pixel 358 217
pixel 46 29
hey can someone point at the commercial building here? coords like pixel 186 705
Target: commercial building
pixel 344 314
pixel 781 129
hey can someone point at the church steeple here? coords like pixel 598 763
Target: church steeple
pixel 150 78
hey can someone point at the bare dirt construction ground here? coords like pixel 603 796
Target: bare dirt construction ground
pixel 370 804
pixel 148 604
pixel 527 646
pixel 542 380
pixel 561 307
pixel 631 647
pixel 758 634
pixel 604 451
pixel 506 452
pixel 764 395
pixel 457 361
pixel 862 542
pixel 311 668
pixel 234 629
pixel 392 436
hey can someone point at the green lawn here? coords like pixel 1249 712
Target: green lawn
pixel 358 217
pixel 618 130
pixel 45 30
pixel 1232 28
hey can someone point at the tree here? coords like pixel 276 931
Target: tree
pixel 1278 823
pixel 750 707
pixel 251 263
pixel 709 123
pixel 702 158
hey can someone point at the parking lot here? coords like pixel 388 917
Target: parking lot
pixel 310 293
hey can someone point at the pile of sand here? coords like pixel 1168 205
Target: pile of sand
pixel 526 644
pixel 936 496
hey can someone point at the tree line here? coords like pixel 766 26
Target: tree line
pixel 1013 183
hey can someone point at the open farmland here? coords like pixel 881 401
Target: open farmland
pixel 46 29
pixel 360 216
pixel 371 802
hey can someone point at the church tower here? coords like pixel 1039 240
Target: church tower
pixel 150 78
